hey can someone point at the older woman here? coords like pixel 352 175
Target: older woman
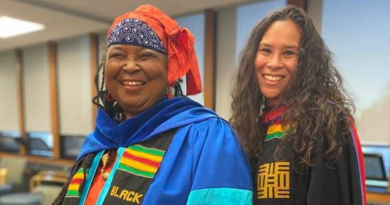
pixel 293 118
pixel 148 146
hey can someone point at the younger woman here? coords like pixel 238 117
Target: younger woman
pixel 294 118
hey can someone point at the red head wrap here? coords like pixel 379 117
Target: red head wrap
pixel 178 41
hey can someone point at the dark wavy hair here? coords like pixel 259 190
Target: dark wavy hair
pixel 314 97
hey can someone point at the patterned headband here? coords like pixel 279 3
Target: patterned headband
pixel 132 31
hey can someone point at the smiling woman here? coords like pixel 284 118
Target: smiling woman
pixel 293 117
pixel 151 146
pixel 277 59
pixel 135 77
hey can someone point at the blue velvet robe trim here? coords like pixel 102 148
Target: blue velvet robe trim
pixel 162 117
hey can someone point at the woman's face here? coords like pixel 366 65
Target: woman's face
pixel 136 77
pixel 277 58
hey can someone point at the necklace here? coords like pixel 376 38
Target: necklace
pixel 106 161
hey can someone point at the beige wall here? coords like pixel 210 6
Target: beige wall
pixel 74 85
pixel 9 111
pixel 36 88
pixel 226 61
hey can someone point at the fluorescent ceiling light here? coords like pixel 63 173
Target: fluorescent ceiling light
pixel 10 27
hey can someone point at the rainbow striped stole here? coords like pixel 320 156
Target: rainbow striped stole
pixel 75 183
pixel 275 131
pixel 141 161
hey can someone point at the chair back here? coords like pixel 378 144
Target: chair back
pixel 15 168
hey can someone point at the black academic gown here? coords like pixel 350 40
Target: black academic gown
pixel 279 182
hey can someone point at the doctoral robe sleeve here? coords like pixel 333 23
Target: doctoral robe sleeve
pixel 221 172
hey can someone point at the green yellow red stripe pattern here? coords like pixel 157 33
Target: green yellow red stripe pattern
pixel 275 131
pixel 141 161
pixel 74 186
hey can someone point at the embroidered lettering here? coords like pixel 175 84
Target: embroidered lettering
pixel 137 197
pixel 126 195
pixel 116 192
pixel 123 194
pixel 273 180
pixel 113 191
pixel 130 196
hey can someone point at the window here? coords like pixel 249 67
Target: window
pixel 40 144
pixel 37 100
pixel 74 87
pixel 196 24
pixel 9 141
pixel 9 117
pixel 251 14
pixel 361 44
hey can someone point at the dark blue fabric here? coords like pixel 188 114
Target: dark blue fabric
pixel 164 116
pixel 135 32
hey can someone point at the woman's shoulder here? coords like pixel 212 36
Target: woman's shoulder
pixel 335 113
pixel 214 122
pixel 214 135
pixel 210 129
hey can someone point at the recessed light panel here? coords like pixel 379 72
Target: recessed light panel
pixel 10 27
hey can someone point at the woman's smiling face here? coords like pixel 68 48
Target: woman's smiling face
pixel 136 77
pixel 277 58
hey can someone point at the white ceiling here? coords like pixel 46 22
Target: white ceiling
pixel 67 18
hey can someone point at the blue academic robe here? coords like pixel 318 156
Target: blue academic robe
pixel 203 162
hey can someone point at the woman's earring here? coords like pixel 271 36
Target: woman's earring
pixel 109 97
pixel 168 92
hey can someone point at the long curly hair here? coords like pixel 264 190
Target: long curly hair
pixel 314 97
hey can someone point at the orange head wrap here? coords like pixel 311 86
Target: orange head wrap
pixel 177 41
